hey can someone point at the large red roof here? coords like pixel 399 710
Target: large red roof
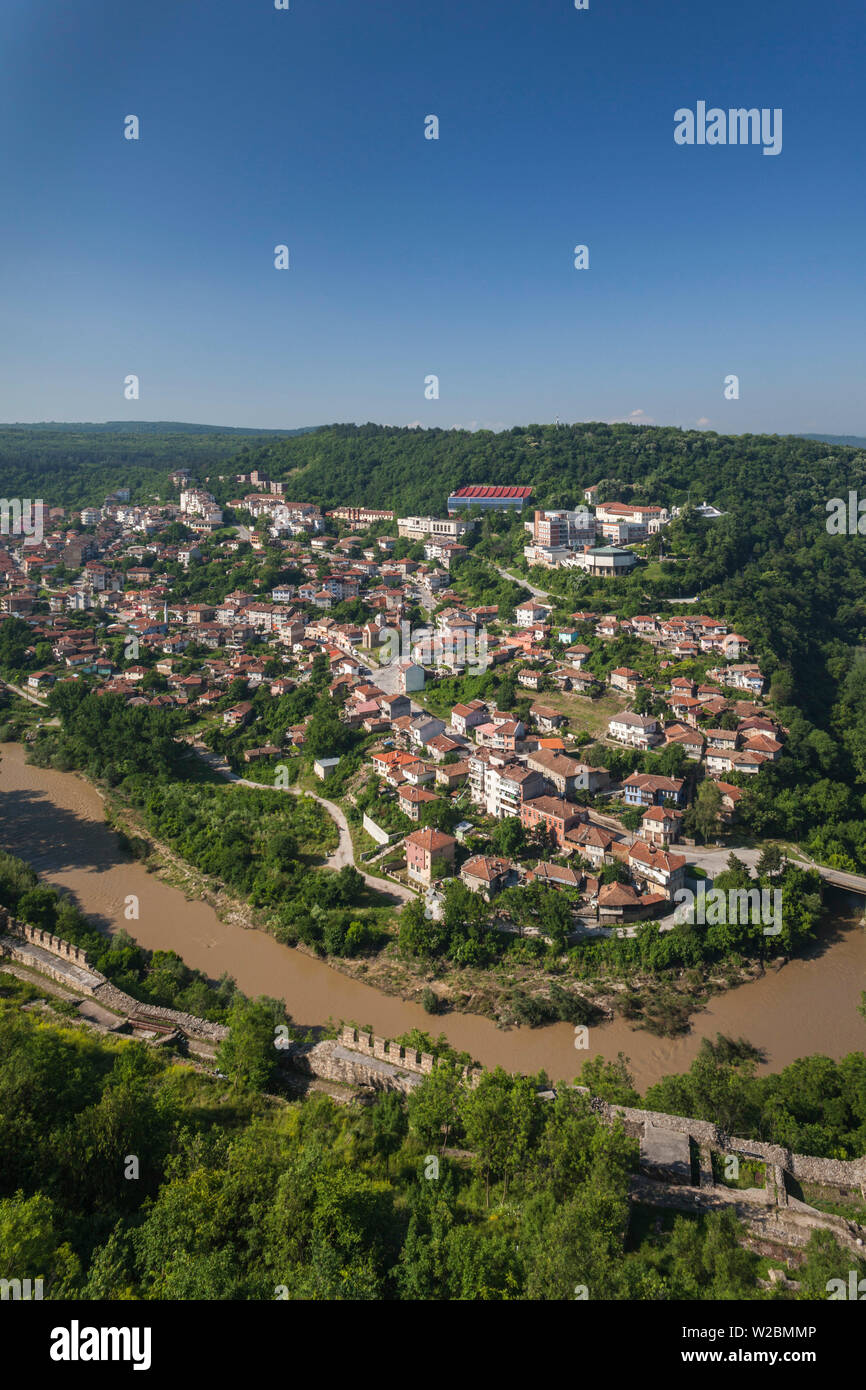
pixel 483 490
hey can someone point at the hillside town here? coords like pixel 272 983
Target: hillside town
pixel 375 602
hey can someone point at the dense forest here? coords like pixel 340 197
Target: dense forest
pixel 414 470
pixel 235 1196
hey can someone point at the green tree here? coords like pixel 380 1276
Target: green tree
pixel 390 1125
pixel 248 1055
pixel 434 1106
pixel 704 817
pixel 32 1248
pixel 501 1117
pixel 508 837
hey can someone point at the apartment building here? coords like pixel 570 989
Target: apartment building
pixel 559 770
pixel 556 815
pixel 500 787
pixel 634 730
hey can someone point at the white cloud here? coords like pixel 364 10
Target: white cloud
pixel 634 417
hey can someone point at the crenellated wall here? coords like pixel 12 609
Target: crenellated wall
pixel 85 980
pixel 37 937
pixel 802 1167
pixel 406 1058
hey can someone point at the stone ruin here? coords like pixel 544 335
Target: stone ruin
pixel 37 937
pixel 405 1058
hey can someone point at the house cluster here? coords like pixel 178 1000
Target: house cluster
pixel 726 734
pixel 118 566
pixel 117 576
pixel 501 767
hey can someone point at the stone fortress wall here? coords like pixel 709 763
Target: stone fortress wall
pixel 802 1167
pixel 68 965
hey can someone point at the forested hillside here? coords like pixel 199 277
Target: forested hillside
pixel 238 1197
pixel 78 465
pixel 414 470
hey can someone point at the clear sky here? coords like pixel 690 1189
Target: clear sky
pixel 411 257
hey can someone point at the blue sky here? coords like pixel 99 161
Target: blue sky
pixel 411 256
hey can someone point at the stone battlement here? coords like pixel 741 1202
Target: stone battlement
pixel 83 979
pixel 406 1058
pixel 37 937
pixel 370 1046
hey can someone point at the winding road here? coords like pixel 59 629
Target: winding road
pixel 43 704
pixel 343 855
pixel 524 583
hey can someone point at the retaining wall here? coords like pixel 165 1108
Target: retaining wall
pixel 375 831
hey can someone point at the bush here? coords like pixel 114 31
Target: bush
pixel 430 1001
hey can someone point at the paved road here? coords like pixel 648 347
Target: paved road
pixel 43 704
pixel 343 855
pixel 716 860
pixel 516 579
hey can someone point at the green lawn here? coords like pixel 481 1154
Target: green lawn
pixel 584 715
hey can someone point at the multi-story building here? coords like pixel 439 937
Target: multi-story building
pixel 556 815
pixel 620 521
pixel 560 771
pixel 657 868
pixel 549 529
pixel 647 789
pixel 365 515
pixel 500 787
pixel 488 875
pixel 430 855
pixel 531 613
pixel 604 561
pixel 563 528
pixel 197 503
pixel 419 528
pixel 635 730
pixel 466 717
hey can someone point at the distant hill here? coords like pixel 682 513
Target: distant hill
pixel 76 465
pixel 853 441
pixel 146 427
pixel 414 469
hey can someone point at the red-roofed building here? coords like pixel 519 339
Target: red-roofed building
pixel 429 855
pixel 490 498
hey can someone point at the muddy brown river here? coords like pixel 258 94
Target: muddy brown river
pixel 55 821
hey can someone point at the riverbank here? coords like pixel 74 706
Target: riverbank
pixel 55 821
